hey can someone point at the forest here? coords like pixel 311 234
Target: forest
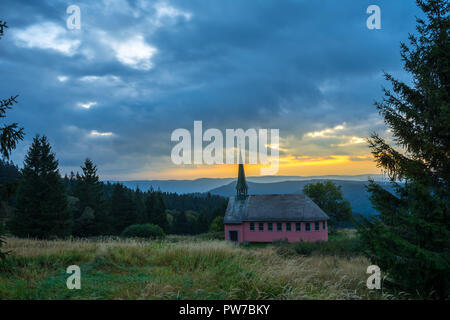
pixel 32 197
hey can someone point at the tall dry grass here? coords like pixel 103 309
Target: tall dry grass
pixel 133 269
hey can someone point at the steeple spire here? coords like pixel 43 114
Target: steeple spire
pixel 241 186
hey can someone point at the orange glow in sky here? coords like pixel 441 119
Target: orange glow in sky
pixel 289 166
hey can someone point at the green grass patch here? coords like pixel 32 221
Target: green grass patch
pixel 184 268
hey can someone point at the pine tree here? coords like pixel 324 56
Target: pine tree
pixel 123 210
pixel 89 190
pixel 139 201
pixel 9 177
pixel 70 183
pixel 156 209
pixel 41 210
pixel 9 136
pixel 203 222
pixel 181 225
pixel 159 213
pixel 150 202
pixel 409 239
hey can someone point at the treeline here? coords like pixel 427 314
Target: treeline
pixel 45 205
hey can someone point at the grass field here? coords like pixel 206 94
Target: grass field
pixel 179 268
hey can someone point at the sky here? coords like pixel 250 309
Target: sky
pixel 115 89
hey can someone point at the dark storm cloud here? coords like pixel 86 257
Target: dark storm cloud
pixel 300 66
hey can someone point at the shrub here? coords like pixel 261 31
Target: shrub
pixel 143 231
pixel 220 235
pixel 216 224
pixel 284 248
pixel 305 248
pixel 340 247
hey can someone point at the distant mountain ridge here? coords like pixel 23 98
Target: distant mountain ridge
pixel 177 186
pixel 207 184
pixel 353 191
pixel 353 187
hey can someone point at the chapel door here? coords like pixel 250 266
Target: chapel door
pixel 233 236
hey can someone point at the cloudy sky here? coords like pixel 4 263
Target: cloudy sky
pixel 115 89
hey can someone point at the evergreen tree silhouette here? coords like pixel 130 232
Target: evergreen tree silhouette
pixel 409 239
pixel 41 209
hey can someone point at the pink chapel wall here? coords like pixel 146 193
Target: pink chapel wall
pixel 244 233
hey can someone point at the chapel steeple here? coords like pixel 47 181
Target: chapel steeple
pixel 241 185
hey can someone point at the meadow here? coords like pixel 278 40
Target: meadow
pixel 184 267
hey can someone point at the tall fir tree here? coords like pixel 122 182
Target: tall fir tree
pixel 156 209
pixel 409 239
pixel 203 222
pixel 70 183
pixel 159 213
pixel 139 200
pixel 10 134
pixel 150 202
pixel 41 209
pixel 180 224
pixel 92 219
pixel 123 209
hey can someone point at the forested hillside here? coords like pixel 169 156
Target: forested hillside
pixel 95 208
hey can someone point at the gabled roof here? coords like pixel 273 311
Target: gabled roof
pixel 273 207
